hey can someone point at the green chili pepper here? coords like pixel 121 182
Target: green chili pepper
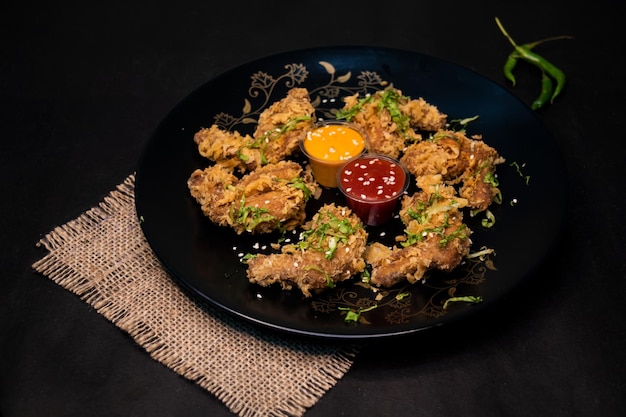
pixel 548 69
pixel 547 91
pixel 514 56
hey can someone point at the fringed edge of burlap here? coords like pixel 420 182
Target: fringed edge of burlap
pixel 299 402
pixel 308 395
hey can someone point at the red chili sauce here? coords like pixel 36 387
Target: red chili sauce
pixel 372 185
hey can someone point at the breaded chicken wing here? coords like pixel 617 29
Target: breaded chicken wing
pixel 228 149
pixel 391 119
pixel 279 129
pixel 330 250
pixel 436 237
pixel 270 198
pixel 460 160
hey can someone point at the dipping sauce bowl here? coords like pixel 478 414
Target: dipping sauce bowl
pixel 372 185
pixel 328 146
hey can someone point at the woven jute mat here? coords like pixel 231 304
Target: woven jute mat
pixel 103 258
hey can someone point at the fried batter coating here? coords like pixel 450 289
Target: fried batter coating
pixel 460 160
pixel 228 149
pixel 279 129
pixel 270 198
pixel 436 237
pixel 330 250
pixel 391 119
pixel 296 113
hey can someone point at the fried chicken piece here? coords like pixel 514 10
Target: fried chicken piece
pixel 280 127
pixel 391 119
pixel 284 123
pixel 460 160
pixel 422 115
pixel 228 149
pixel 436 236
pixel 330 250
pixel 270 198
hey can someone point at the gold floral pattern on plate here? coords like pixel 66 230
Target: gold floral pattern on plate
pixel 325 98
pixel 403 303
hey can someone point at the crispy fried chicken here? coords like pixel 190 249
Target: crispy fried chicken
pixel 330 250
pixel 279 129
pixel 460 160
pixel 391 119
pixel 436 237
pixel 270 198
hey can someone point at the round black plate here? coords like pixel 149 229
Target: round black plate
pixel 205 258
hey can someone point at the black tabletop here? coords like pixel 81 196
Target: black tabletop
pixel 82 88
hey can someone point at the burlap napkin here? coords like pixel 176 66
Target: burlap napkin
pixel 102 257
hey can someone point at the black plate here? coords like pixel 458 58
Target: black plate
pixel 206 258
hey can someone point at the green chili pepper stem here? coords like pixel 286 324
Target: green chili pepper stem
pixel 531 45
pixel 505 33
pixel 546 92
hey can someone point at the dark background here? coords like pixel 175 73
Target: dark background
pixel 83 85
